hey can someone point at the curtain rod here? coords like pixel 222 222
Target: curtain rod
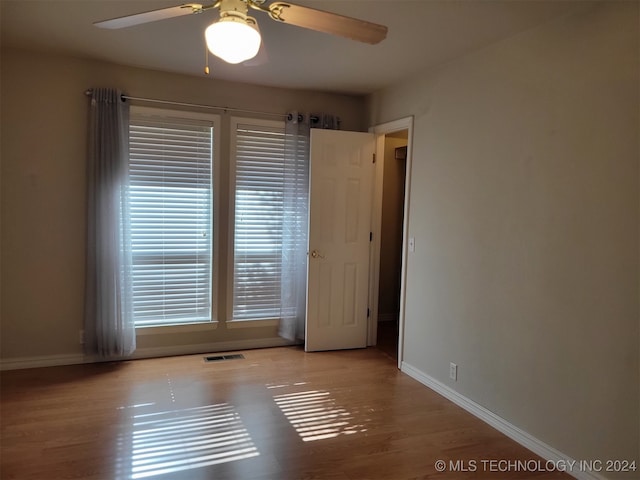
pixel 197 105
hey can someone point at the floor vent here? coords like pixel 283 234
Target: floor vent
pixel 220 358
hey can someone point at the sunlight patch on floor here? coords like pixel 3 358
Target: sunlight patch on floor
pixel 178 440
pixel 316 416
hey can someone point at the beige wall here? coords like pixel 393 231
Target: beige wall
pixel 525 211
pixel 44 127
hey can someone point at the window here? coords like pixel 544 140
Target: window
pixel 171 198
pixel 258 173
pixel 171 159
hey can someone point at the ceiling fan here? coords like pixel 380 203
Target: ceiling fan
pixel 235 36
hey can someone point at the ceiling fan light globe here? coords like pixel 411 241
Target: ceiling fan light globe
pixel 232 39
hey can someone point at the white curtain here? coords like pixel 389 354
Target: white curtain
pixel 295 226
pixel 109 326
pixel 296 220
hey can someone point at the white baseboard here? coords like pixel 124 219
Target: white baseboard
pixel 42 361
pixel 76 359
pixel 523 438
pixel 210 347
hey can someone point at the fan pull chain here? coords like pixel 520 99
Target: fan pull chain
pixel 206 59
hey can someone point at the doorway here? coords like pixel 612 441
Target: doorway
pixel 348 314
pixel 391 239
pixel 389 261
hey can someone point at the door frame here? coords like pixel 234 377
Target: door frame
pixel 380 132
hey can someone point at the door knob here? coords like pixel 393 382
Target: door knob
pixel 316 254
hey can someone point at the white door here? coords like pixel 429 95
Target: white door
pixel 341 188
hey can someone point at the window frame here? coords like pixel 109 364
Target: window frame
pixel 232 323
pixel 215 215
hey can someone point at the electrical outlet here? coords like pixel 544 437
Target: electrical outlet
pixel 81 337
pixel 453 372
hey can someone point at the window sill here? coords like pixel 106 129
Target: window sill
pixel 270 322
pixel 186 328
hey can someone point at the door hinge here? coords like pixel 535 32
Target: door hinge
pixel 371 236
pixel 368 313
pixel 374 158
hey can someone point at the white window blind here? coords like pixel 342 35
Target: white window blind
pixel 259 192
pixel 170 168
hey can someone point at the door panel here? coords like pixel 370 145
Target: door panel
pixel 340 221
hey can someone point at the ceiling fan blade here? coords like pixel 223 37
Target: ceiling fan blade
pixel 327 22
pixel 151 16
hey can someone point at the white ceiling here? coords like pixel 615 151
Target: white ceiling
pixel 422 34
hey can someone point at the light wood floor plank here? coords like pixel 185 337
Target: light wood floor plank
pixel 278 414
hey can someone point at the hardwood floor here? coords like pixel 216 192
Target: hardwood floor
pixel 278 414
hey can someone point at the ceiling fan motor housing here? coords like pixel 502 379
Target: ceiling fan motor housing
pixel 233 8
